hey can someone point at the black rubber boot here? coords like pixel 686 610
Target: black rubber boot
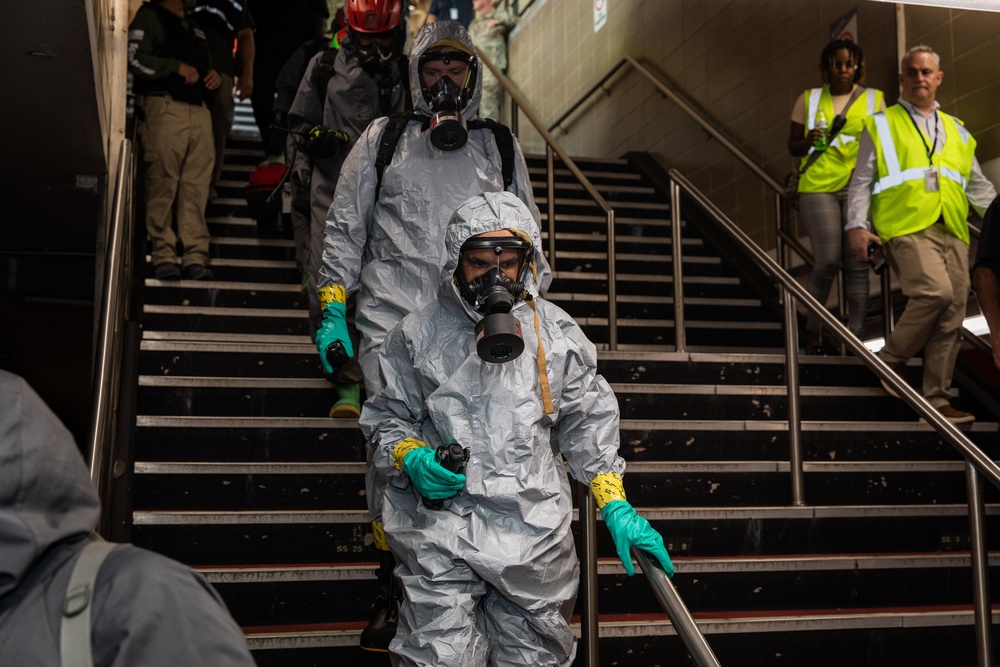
pixel 381 626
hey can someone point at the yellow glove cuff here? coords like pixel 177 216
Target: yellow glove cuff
pixel 607 487
pixel 331 294
pixel 379 534
pixel 403 448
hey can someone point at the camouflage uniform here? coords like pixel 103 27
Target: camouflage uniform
pixel 492 41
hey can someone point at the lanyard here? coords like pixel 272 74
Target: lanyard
pixel 933 146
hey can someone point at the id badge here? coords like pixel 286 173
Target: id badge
pixel 453 13
pixel 931 180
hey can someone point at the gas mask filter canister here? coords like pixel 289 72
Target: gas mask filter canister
pixel 498 334
pixel 449 131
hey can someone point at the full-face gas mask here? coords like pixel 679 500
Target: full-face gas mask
pixel 493 292
pixel 370 22
pixel 373 57
pixel 448 128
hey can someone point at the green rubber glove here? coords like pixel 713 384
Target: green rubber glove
pixel 431 479
pixel 628 530
pixel 332 331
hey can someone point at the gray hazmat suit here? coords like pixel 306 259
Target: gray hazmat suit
pixel 491 578
pixel 389 247
pixel 147 610
pixel 350 102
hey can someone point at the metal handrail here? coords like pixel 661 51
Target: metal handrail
pixel 693 113
pixel 945 429
pixel 676 610
pixel 518 101
pixel 977 462
pixel 107 363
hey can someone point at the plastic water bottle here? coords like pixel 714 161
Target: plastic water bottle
pixel 821 124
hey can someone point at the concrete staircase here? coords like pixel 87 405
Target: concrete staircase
pixel 239 472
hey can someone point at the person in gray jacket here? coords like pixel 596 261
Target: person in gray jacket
pixel 145 610
pixel 486 558
pixel 384 239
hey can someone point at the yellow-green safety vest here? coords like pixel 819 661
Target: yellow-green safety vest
pixel 832 169
pixel 901 204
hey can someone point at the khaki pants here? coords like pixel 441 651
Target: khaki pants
pixel 180 154
pixel 933 270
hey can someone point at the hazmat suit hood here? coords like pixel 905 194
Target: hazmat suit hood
pixel 491 212
pixel 429 35
pixel 46 495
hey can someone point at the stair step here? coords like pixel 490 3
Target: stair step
pixel 539 185
pixel 213 336
pixel 234 518
pixel 657 625
pixel 654 209
pixel 226 269
pixel 294 573
pixel 538 174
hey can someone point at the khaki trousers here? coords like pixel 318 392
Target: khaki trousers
pixel 933 270
pixel 180 154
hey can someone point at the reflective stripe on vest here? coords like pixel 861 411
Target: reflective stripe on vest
pixel 895 176
pixel 901 205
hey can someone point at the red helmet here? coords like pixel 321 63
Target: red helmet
pixel 373 15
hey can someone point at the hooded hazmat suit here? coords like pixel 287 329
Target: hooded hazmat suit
pixel 350 102
pixel 492 577
pixel 388 246
pixel 147 610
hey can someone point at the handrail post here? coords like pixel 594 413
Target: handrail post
pixel 589 628
pixel 513 117
pixel 779 225
pixel 843 308
pixel 794 412
pixel 887 318
pixel 980 569
pixel 550 198
pixel 612 285
pixel 680 336
pixel 779 242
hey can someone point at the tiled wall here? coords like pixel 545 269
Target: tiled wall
pixel 968 43
pixel 743 62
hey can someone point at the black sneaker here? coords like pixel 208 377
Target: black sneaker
pixel 166 271
pixel 197 272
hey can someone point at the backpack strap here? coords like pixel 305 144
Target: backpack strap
pixel 403 64
pixel 74 639
pixel 324 72
pixel 398 121
pixel 387 144
pixel 505 144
